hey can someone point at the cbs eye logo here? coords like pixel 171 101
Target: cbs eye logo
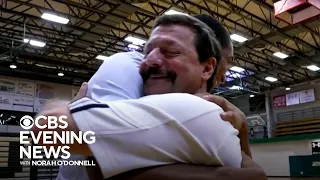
pixel 26 122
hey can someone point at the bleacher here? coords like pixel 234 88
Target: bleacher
pixel 296 127
pixel 10 166
pixel 305 121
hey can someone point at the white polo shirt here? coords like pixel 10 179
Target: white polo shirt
pixel 157 130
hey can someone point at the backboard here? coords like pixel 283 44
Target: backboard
pixel 255 120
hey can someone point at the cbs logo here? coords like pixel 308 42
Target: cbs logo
pixel 26 122
pixel 52 122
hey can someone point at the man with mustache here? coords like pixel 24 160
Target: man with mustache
pixel 152 74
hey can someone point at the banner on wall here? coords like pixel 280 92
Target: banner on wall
pixel 7 86
pixel 6 102
pixel 20 100
pixel 307 96
pixel 293 98
pixel 24 89
pixel 27 96
pixel 44 91
pixel 315 146
pixel 38 104
pixel 279 101
pixel 21 103
pixel 22 108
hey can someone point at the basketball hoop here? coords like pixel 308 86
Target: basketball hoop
pixel 255 120
pixel 256 128
pixel 296 11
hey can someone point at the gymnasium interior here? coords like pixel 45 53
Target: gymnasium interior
pixel 50 47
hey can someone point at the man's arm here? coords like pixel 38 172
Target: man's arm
pixel 244 140
pixel 235 116
pixel 249 171
pixel 192 172
pixel 191 131
pixel 136 115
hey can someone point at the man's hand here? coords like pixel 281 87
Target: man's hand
pixel 247 162
pixel 59 108
pixel 82 91
pixel 234 115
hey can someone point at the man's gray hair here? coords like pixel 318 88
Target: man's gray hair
pixel 206 43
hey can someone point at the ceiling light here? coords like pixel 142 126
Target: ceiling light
pixel 251 95
pixel 235 75
pixel 46 66
pixel 75 53
pixel 12 66
pixel 287 89
pixel 238 38
pixel 313 68
pixel 171 12
pixel 280 55
pixel 134 40
pixel 235 87
pixel 37 43
pixel 237 69
pixel 60 74
pixel 101 57
pixel 25 40
pixel 271 79
pixel 132 46
pixel 55 18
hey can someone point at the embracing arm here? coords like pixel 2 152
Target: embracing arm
pixel 192 172
pixel 249 170
pixel 235 116
pixel 119 121
pixel 244 140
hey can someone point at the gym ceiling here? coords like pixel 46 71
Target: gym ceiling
pixel 96 28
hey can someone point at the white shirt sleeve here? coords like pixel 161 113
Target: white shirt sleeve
pixel 117 78
pixel 157 130
pixel 228 152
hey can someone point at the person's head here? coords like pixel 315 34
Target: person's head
pixel 180 56
pixel 226 43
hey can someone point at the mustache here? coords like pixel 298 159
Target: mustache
pixel 158 72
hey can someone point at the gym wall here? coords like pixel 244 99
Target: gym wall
pixel 242 103
pixel 61 91
pixel 25 95
pixel 299 111
pixel 19 97
pixel 278 163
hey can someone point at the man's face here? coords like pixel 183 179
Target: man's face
pixel 171 62
pixel 224 65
